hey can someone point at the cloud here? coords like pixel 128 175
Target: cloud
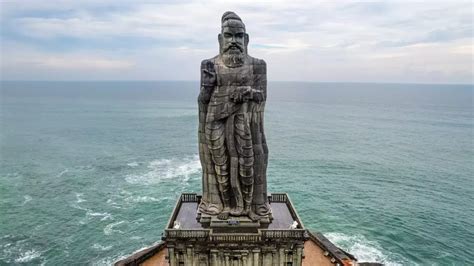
pixel 302 40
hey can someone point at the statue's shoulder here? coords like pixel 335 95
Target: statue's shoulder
pixel 259 65
pixel 209 61
pixel 256 61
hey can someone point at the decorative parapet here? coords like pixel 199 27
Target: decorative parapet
pixel 187 233
pixel 262 235
pixel 189 197
pixel 286 234
pixel 278 197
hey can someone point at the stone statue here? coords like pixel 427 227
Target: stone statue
pixel 232 145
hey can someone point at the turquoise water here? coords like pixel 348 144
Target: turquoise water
pixel 90 171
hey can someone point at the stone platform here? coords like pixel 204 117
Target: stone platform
pixel 234 242
pixel 199 239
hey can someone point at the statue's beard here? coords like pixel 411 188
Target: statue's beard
pixel 233 57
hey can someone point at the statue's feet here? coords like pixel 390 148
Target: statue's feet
pixel 237 211
pixel 263 210
pixel 253 216
pixel 211 209
pixel 224 215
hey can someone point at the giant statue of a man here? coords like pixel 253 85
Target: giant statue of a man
pixel 232 145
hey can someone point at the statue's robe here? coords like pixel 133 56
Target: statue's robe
pixel 215 105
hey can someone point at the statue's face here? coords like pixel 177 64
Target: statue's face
pixel 233 40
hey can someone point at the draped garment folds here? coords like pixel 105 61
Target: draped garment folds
pixel 232 146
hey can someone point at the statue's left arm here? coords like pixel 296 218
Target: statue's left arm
pixel 259 90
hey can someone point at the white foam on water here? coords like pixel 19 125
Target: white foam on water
pixel 113 204
pixel 100 247
pixel 79 198
pixel 106 261
pixel 104 215
pixel 132 164
pixel 141 199
pixel 27 198
pixel 62 172
pixel 363 249
pixel 28 256
pixel 176 169
pixel 109 229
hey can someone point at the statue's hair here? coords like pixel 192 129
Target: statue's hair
pixel 229 15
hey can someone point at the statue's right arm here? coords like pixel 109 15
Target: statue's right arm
pixel 208 81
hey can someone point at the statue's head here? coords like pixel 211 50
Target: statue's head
pixel 233 40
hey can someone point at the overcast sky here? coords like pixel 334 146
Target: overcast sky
pixel 383 41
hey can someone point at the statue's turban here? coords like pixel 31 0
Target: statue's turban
pixel 230 19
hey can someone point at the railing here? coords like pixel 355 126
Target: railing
pixel 235 237
pixel 278 197
pixel 285 234
pixel 257 237
pixel 189 197
pixel 180 233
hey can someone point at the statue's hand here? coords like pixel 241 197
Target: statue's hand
pixel 208 78
pixel 257 96
pixel 241 94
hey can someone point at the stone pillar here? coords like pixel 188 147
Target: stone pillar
pixel 267 258
pixel 256 259
pixel 188 259
pixel 281 256
pixel 214 261
pixel 226 256
pixel 171 256
pixel 299 253
pixel 274 258
pixel 244 259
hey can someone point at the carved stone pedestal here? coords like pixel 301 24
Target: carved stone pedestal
pixel 199 239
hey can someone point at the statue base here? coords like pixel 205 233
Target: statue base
pixel 233 222
pixel 191 238
pixel 195 238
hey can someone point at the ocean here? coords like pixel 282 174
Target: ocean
pixel 90 171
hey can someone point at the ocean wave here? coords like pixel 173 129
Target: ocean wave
pixel 363 249
pixel 104 215
pixel 101 248
pixel 132 164
pixel 109 229
pixel 28 256
pixel 158 170
pixel 106 261
pixel 113 204
pixel 79 198
pixel 27 198
pixel 141 199
pixel 62 172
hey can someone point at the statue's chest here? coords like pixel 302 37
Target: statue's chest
pixel 239 76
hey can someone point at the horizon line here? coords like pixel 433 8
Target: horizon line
pixel 296 81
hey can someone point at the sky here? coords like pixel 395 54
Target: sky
pixel 328 41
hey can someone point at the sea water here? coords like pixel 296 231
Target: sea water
pixel 90 171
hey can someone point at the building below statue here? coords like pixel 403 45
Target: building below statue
pixel 206 240
pixel 192 238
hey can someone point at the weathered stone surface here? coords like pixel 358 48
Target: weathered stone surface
pixel 232 145
pixel 237 240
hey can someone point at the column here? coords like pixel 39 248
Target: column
pixel 214 261
pixel 171 257
pixel 281 255
pixel 299 253
pixel 189 256
pixel 256 259
pixel 227 262
pixel 244 259
pixel 267 258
